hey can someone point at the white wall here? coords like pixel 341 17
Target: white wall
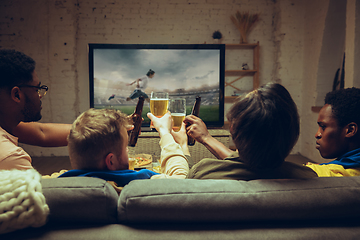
pixel 56 34
pixel 315 15
pixel 314 22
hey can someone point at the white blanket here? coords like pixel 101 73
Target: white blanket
pixel 22 203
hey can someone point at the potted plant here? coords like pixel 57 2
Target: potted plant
pixel 217 36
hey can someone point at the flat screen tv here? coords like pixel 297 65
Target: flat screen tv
pixel 182 70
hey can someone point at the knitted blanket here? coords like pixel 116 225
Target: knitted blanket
pixel 22 203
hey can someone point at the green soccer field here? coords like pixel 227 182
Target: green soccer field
pixel 206 112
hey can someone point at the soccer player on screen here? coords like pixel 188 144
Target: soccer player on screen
pixel 141 84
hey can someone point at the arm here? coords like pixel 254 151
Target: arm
pixel 181 138
pixel 136 81
pixel 129 84
pixel 173 161
pixel 43 134
pixel 199 132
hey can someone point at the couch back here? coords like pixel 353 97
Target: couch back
pixel 83 199
pixel 80 200
pixel 190 200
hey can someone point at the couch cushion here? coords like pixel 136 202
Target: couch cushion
pixel 176 200
pixel 80 199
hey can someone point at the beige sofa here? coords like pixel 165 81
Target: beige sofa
pixel 89 208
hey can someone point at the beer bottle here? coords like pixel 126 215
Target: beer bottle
pixel 195 111
pixel 137 120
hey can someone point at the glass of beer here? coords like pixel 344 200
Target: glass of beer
pixel 159 102
pixel 132 162
pixel 177 107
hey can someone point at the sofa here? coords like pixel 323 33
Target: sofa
pixel 89 208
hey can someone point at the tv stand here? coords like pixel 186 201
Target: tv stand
pixel 148 129
pixel 148 142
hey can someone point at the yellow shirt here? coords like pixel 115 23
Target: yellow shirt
pixel 333 170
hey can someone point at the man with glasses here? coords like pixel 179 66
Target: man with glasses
pixel 20 97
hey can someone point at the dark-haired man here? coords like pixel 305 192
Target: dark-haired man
pixel 20 108
pixel 264 125
pixel 338 134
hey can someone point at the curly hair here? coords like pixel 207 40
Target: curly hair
pixel 15 68
pixel 345 104
pixel 264 126
pixel 94 134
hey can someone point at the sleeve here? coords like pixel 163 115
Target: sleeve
pixel 16 159
pixel 173 161
pixel 21 163
pixel 333 170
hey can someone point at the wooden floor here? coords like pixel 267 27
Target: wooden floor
pixel 49 165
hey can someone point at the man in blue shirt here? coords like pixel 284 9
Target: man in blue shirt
pixel 98 142
pixel 338 134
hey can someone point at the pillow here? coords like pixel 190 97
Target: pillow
pixel 80 200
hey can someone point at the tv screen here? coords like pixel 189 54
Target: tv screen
pixel 182 70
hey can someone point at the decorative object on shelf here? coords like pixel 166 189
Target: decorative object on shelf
pixel 339 77
pixel 245 66
pixel 244 22
pixel 236 75
pixel 217 36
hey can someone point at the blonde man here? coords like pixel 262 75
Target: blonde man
pixel 97 146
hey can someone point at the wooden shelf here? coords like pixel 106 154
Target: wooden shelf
pixel 239 72
pixel 226 125
pixel 230 99
pixel 316 109
pixel 242 46
pixel 242 73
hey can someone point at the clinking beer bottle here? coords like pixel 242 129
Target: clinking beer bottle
pixel 137 120
pixel 195 111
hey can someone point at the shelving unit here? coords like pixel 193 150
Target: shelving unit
pixel 242 73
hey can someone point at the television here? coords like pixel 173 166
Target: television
pixel 182 70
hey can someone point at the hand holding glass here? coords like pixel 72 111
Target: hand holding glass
pixel 177 107
pixel 159 102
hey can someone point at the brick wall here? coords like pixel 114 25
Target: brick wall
pixel 56 34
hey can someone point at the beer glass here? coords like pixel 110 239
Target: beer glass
pixel 177 107
pixel 132 162
pixel 159 102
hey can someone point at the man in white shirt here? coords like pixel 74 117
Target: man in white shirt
pixel 141 85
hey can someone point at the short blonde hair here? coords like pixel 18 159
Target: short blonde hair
pixel 94 134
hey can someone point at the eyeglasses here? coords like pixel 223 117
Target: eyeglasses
pixel 40 90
